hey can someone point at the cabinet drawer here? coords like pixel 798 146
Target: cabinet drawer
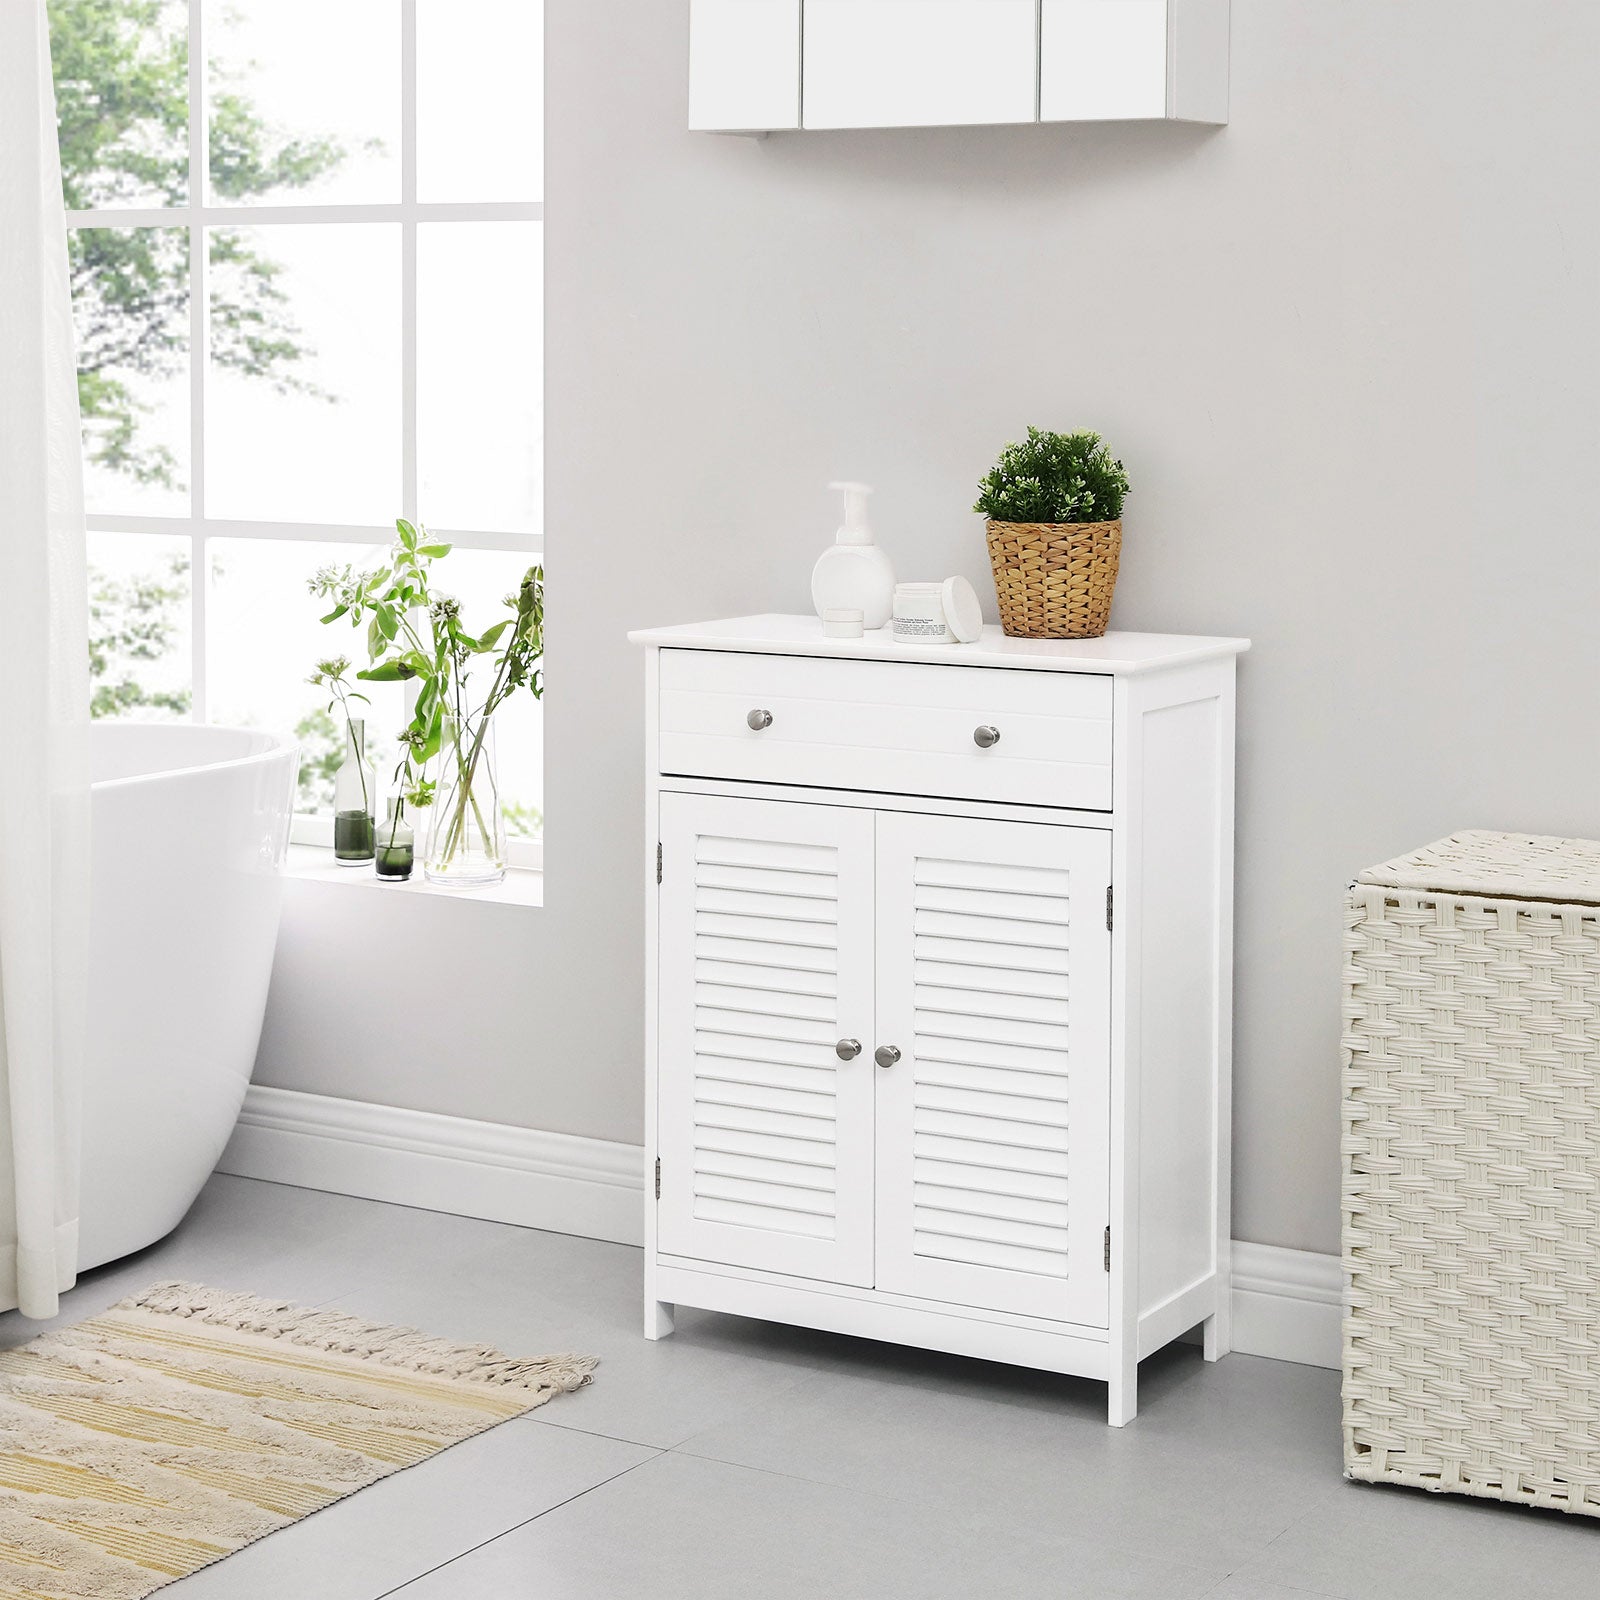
pixel 888 727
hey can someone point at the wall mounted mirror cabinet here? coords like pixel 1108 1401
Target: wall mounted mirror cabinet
pixel 769 65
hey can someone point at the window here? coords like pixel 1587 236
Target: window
pixel 307 274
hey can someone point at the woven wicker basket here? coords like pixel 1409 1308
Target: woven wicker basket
pixel 1472 1171
pixel 1054 579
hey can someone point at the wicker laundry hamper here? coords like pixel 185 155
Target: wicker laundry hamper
pixel 1054 580
pixel 1472 1171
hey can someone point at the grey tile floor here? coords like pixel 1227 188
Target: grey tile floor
pixel 754 1462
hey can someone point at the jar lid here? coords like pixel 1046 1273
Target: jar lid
pixel 841 614
pixel 962 611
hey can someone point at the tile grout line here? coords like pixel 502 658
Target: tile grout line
pixel 461 1555
pixel 533 1419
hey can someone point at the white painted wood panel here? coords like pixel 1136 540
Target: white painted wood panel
pixel 1061 1083
pixel 1103 60
pixel 915 63
pixel 1178 866
pixel 884 726
pixel 744 65
pixel 992 1132
pixel 766 962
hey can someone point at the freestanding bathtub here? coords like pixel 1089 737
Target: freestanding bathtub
pixel 190 831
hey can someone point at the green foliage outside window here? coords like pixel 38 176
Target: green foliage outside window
pixel 122 104
pixel 131 621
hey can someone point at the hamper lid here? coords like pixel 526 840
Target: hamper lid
pixel 1518 866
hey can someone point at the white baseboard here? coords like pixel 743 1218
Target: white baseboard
pixel 1286 1303
pixel 590 1187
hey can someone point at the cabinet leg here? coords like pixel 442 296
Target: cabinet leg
pixel 1123 1400
pixel 1218 1335
pixel 657 1319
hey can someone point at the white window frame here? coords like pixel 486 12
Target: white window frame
pixel 198 215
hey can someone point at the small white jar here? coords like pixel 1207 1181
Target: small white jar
pixel 842 622
pixel 919 616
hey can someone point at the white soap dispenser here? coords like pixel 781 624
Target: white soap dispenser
pixel 853 573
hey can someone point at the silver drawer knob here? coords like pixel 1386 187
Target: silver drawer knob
pixel 886 1055
pixel 986 738
pixel 757 720
pixel 847 1049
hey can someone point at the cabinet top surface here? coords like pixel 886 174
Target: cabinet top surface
pixel 1117 653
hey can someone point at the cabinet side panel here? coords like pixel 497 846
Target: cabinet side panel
pixel 744 65
pixel 1177 940
pixel 1200 69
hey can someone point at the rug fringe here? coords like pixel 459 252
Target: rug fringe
pixel 339 1333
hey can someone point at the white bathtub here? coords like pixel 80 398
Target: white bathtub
pixel 191 826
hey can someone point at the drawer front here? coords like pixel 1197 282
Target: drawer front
pixel 884 726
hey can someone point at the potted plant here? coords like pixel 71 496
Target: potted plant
pixel 1054 504
pixel 417 635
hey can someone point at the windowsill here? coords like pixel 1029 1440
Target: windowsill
pixel 309 863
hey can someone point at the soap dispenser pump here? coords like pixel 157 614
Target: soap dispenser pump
pixel 853 573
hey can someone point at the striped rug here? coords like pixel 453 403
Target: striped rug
pixel 187 1422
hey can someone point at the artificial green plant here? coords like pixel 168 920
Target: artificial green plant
pixel 1054 478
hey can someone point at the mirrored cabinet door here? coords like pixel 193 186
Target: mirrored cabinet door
pixel 1103 60
pixel 918 63
pixel 744 64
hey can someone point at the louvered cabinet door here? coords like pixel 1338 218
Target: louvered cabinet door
pixel 994 980
pixel 766 952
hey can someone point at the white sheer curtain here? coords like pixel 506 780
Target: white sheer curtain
pixel 44 795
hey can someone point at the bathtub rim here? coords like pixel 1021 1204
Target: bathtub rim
pixel 281 744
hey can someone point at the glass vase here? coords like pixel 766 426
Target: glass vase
pixel 396 844
pixel 355 791
pixel 466 841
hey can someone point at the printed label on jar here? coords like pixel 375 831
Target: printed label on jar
pixel 919 628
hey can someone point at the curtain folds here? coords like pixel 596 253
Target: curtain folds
pixel 44 794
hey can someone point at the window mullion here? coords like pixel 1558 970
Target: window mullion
pixel 409 485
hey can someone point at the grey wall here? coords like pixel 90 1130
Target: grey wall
pixel 1349 347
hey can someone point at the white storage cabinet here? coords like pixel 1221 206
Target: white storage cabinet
pixel 939 977
pixel 769 65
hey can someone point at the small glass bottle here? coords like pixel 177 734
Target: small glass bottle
pixel 355 789
pixel 397 844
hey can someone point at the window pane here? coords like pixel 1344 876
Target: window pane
pixel 304 100
pixel 480 397
pixel 480 100
pixel 303 391
pixel 130 302
pixel 481 579
pixel 122 101
pixel 140 665
pixel 263 639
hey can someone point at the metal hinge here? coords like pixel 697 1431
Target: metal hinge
pixel 658 861
pixel 1108 1227
pixel 1108 908
pixel 658 1181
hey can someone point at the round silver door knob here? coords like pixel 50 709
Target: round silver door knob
pixel 757 720
pixel 886 1055
pixel 847 1049
pixel 986 738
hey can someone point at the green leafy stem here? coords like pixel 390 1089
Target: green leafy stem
pixel 415 634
